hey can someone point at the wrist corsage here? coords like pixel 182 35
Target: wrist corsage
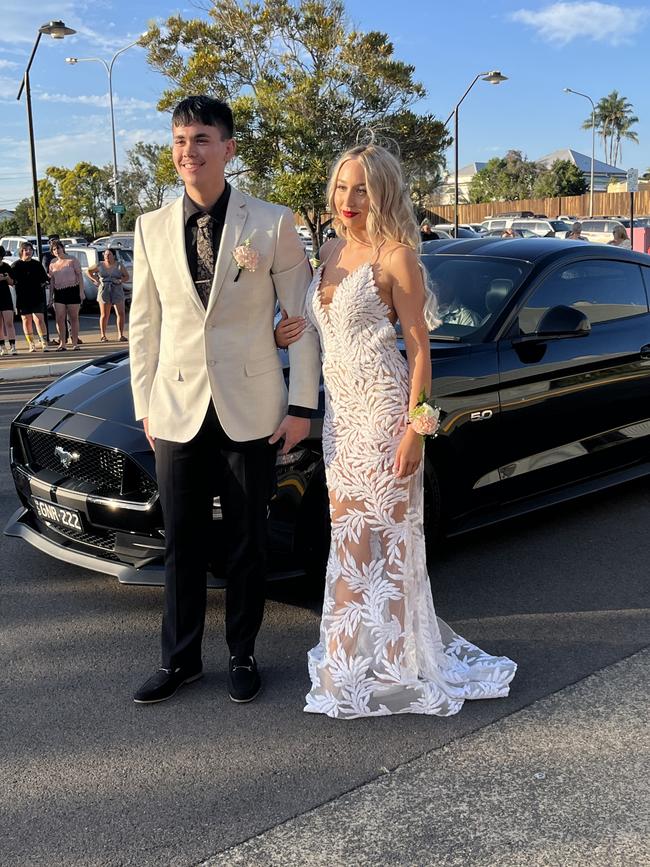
pixel 424 418
pixel 246 258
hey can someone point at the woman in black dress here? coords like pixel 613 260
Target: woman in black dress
pixel 30 278
pixel 6 307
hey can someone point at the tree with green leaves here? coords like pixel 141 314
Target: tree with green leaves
pixel 10 226
pixel 147 180
pixel 303 85
pixel 564 178
pixel 504 179
pixel 613 120
pixel 24 216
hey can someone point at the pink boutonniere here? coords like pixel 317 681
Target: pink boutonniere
pixel 246 258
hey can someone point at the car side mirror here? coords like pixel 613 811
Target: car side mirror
pixel 558 323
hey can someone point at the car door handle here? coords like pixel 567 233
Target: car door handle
pixel 644 352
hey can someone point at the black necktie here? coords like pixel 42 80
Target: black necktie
pixel 204 257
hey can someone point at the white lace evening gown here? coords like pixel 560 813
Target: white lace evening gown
pixel 382 649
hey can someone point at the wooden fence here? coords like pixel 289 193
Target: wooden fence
pixel 605 204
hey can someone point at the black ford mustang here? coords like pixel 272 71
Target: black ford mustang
pixel 541 368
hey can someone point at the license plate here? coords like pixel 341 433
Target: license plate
pixel 57 514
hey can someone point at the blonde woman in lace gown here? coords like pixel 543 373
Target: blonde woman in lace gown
pixel 382 650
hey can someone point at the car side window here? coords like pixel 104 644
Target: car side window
pixel 603 290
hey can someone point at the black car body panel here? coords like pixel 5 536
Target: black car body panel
pixel 529 417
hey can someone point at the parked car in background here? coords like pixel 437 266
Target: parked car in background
pixel 464 230
pixel 12 243
pixel 519 233
pixel 543 228
pixel 115 241
pixel 496 223
pixel 437 235
pixel 89 255
pixel 639 222
pixel 600 229
pixel 544 398
pixel 77 240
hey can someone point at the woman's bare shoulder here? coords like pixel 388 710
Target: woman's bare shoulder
pixel 396 257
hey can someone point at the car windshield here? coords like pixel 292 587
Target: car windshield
pixel 471 292
pixel 560 226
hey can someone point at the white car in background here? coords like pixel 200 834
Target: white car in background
pixel 116 241
pixel 74 239
pixel 600 230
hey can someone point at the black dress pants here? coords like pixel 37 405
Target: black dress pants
pixel 189 476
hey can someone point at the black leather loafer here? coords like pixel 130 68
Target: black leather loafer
pixel 164 684
pixel 244 682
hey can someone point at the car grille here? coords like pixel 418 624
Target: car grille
pixel 108 471
pixel 99 539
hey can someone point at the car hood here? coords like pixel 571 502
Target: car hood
pixel 91 402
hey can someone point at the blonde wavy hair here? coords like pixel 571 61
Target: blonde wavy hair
pixel 390 215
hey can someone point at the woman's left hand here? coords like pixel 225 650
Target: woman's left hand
pixel 288 330
pixel 409 454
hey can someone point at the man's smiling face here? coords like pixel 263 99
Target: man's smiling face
pixel 200 154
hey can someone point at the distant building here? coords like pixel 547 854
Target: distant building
pixel 604 174
pixel 6 215
pixel 445 194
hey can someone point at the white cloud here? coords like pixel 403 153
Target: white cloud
pixel 20 29
pixel 130 103
pixel 8 64
pixel 561 23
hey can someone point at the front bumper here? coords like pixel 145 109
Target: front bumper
pixel 22 525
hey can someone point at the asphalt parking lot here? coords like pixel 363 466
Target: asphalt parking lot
pixel 89 778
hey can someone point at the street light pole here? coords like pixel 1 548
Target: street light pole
pixel 593 145
pixel 57 30
pixel 494 77
pixel 109 71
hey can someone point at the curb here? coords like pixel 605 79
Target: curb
pixel 32 371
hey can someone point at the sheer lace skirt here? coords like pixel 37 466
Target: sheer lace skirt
pixel 382 649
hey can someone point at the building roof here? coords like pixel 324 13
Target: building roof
pixel 582 161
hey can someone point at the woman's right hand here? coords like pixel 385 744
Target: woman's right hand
pixel 289 329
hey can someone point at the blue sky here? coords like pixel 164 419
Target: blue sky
pixel 594 47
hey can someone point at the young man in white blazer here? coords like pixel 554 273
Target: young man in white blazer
pixel 207 384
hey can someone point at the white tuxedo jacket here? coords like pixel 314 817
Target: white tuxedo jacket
pixel 183 355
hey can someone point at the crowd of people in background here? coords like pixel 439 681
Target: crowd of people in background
pixel 56 281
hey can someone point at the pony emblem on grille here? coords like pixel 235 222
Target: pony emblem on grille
pixel 66 457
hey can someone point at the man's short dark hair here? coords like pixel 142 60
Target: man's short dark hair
pixel 205 110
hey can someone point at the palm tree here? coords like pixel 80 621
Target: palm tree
pixel 613 122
